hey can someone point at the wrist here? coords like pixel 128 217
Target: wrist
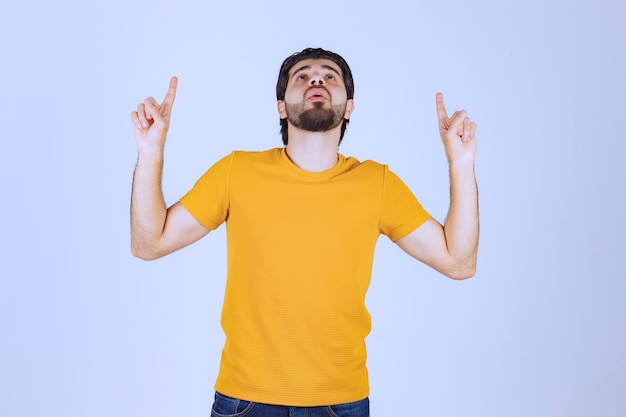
pixel 461 164
pixel 150 155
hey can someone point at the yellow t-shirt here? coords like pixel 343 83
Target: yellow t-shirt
pixel 300 253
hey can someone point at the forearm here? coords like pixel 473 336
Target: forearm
pixel 148 211
pixel 461 225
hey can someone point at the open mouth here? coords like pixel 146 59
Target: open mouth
pixel 317 93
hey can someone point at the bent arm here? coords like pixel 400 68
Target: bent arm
pixel 451 249
pixel 156 230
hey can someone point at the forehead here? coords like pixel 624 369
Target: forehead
pixel 315 64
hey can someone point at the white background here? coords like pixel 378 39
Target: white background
pixel 87 330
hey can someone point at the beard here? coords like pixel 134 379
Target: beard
pixel 317 118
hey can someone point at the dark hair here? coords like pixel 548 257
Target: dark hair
pixel 312 53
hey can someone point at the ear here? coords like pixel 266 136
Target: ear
pixel 282 112
pixel 349 109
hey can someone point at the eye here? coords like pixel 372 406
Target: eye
pixel 302 77
pixel 330 77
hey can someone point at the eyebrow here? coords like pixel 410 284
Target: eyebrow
pixel 307 67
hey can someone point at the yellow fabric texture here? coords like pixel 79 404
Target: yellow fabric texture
pixel 300 253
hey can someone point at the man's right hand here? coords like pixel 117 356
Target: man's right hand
pixel 152 120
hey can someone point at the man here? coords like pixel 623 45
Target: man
pixel 302 223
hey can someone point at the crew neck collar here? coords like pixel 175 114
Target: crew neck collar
pixel 312 174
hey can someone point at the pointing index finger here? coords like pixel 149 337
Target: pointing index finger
pixel 171 92
pixel 442 114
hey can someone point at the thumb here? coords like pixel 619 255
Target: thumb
pixel 153 110
pixel 456 124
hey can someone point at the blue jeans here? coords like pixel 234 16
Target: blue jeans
pixel 225 406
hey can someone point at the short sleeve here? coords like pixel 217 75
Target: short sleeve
pixel 208 200
pixel 401 212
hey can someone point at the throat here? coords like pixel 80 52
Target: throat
pixel 313 156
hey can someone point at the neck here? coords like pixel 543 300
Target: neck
pixel 313 151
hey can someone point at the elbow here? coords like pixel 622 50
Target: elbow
pixel 462 272
pixel 144 256
pixel 462 275
pixel 143 253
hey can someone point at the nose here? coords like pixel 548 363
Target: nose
pixel 317 79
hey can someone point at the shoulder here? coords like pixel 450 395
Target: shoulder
pixel 247 162
pixel 256 155
pixel 378 172
pixel 367 166
pixel 249 159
